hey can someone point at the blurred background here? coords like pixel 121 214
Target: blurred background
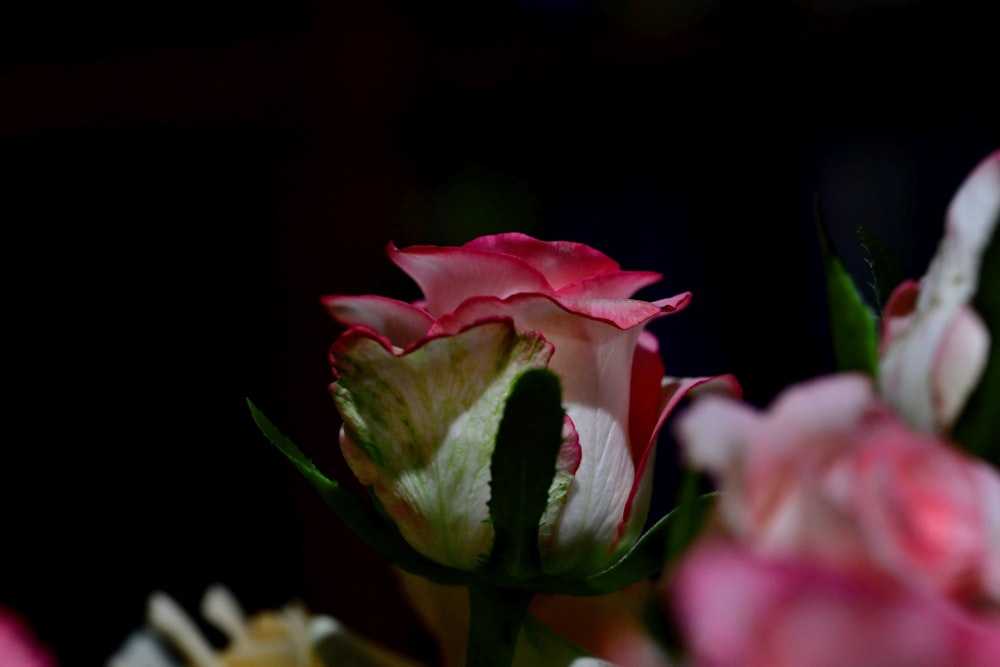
pixel 182 181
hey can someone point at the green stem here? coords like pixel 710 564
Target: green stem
pixel 497 615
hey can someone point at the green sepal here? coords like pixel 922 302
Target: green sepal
pixel 978 428
pixel 363 519
pixel 886 270
pixel 521 472
pixel 852 322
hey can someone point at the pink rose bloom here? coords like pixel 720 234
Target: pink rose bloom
pixel 830 474
pixel 934 345
pixel 735 607
pixel 845 538
pixel 421 388
pixel 18 648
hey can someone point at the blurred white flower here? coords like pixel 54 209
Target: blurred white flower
pixel 934 344
pixel 289 637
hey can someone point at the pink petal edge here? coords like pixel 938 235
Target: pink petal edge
pixel 561 262
pixel 348 338
pixel 450 275
pixel 673 390
pixel 621 314
pixel 400 322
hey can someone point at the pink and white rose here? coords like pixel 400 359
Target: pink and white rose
pixel 842 536
pixel 934 345
pixel 422 386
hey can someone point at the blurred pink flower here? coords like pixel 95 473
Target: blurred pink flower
pixel 842 537
pixel 934 345
pixel 831 475
pixel 18 646
pixel 735 607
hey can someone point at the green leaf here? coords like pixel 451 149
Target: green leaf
pixel 658 547
pixel 522 468
pixel 886 270
pixel 363 519
pixel 852 323
pixel 978 428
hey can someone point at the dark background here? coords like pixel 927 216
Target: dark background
pixel 182 181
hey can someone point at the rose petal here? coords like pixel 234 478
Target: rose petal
pixel 735 608
pixel 625 313
pixel 561 262
pixel 648 341
pixel 715 433
pixel 645 430
pixel 613 285
pixel 448 275
pixel 827 405
pixel 622 314
pixel 959 364
pixel 974 212
pixel 567 464
pixel 923 507
pixel 400 322
pixel 769 464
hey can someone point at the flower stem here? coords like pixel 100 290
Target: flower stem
pixel 495 623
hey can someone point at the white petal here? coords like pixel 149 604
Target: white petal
pixel 960 362
pixel 907 367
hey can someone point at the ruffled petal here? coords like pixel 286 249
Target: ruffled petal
pixel 623 314
pixel 400 322
pixel 420 426
pixel 561 262
pixel 612 285
pixel 449 275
